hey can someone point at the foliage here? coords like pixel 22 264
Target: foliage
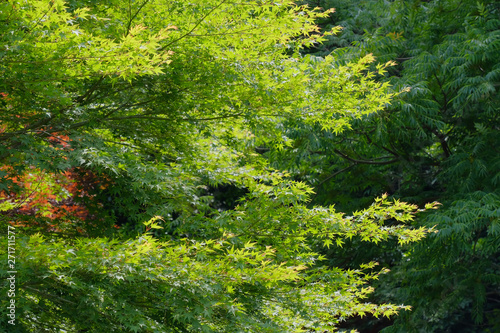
pixel 222 284
pixel 436 141
pixel 461 282
pixel 165 101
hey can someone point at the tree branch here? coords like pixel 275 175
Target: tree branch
pixel 327 179
pixel 366 161
pixel 146 117
pixel 90 91
pixel 131 18
pixel 48 295
pixel 195 26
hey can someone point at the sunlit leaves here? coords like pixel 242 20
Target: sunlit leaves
pixel 167 100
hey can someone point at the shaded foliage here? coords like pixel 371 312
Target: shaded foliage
pixel 436 141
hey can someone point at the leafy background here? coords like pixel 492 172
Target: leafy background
pixel 248 128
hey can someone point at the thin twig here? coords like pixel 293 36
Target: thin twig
pixel 195 26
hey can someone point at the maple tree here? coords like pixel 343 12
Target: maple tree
pixel 164 101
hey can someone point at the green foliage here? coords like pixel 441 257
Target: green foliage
pixel 226 283
pixel 453 274
pixel 436 141
pixel 165 101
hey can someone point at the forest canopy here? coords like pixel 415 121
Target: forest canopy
pixel 172 166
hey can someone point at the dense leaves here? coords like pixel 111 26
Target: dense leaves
pixel 164 102
pixel 437 141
